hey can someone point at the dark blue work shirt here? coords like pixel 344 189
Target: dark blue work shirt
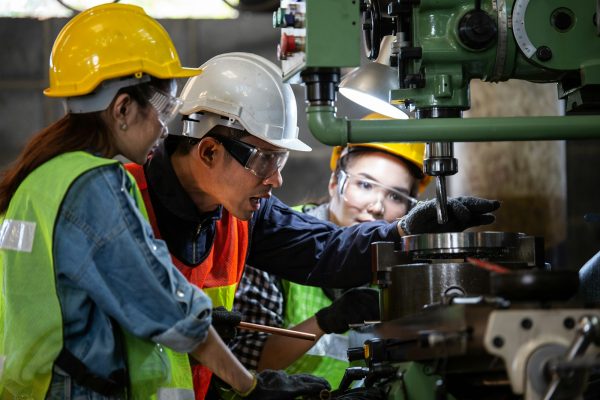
pixel 289 244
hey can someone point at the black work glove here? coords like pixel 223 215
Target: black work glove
pixel 274 385
pixel 353 307
pixel 225 322
pixel 463 212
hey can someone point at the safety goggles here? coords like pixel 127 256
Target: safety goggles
pixel 262 163
pixel 166 105
pixel 364 193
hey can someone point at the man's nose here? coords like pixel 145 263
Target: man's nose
pixel 275 180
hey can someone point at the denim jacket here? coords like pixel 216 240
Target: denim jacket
pixel 110 269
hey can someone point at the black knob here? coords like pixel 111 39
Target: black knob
pixel 477 29
pixel 544 53
pixel 356 354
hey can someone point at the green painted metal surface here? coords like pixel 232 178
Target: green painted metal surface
pixel 335 33
pixel 331 130
pixel 416 383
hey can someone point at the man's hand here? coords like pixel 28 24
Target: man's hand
pixel 225 322
pixel 353 307
pixel 463 212
pixel 275 385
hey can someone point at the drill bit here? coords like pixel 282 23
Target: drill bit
pixel 441 199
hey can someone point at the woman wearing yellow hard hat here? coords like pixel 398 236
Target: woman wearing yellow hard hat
pixel 91 303
pixel 369 181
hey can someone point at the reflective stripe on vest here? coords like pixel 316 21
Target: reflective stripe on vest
pixel 220 272
pixel 31 328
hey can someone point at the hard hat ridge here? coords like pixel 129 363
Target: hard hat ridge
pixel 248 89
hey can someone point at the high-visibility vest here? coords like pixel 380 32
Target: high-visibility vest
pixel 31 325
pixel 327 358
pixel 220 272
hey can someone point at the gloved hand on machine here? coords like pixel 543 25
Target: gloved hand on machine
pixel 225 322
pixel 276 385
pixel 354 306
pixel 463 212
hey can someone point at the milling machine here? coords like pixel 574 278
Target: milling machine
pixel 451 330
pixel 437 47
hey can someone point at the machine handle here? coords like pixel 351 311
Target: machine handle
pixel 277 331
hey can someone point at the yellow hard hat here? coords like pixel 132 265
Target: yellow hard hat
pixel 411 152
pixel 111 41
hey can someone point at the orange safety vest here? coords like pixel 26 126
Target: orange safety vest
pixel 218 275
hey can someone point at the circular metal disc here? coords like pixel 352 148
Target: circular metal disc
pixel 458 243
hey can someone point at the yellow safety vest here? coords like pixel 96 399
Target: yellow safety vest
pixel 31 326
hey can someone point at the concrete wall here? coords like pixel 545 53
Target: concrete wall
pixel 24 110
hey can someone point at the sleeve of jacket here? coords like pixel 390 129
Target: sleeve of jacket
pixel 108 251
pixel 306 250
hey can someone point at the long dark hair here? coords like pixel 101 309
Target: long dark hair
pixel 72 132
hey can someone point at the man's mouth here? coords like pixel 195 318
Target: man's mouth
pixel 255 200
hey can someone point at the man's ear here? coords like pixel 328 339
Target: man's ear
pixel 208 151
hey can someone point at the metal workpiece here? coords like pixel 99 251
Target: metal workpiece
pixel 461 243
pixel 427 270
pixel 506 248
pixel 531 341
pixel 421 285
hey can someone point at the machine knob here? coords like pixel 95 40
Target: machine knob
pixel 356 354
pixel 282 18
pixel 477 30
pixel 289 44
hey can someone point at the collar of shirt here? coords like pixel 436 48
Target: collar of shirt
pixel 165 187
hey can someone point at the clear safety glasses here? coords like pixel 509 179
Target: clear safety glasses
pixel 363 193
pixel 166 105
pixel 262 163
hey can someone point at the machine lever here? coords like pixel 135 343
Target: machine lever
pixel 588 332
pixel 277 331
pixel 350 375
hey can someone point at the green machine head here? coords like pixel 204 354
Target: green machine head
pixel 426 52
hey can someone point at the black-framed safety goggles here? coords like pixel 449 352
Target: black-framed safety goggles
pixel 262 163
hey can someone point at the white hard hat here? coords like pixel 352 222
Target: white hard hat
pixel 249 92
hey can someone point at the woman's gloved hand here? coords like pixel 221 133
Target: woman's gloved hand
pixel 274 385
pixel 353 307
pixel 463 212
pixel 225 322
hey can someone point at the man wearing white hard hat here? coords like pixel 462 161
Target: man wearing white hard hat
pixel 208 192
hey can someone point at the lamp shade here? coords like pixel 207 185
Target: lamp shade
pixel 370 85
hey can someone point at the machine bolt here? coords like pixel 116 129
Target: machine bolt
pixel 569 323
pixel 544 53
pixel 498 342
pixel 477 30
pixel 526 323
